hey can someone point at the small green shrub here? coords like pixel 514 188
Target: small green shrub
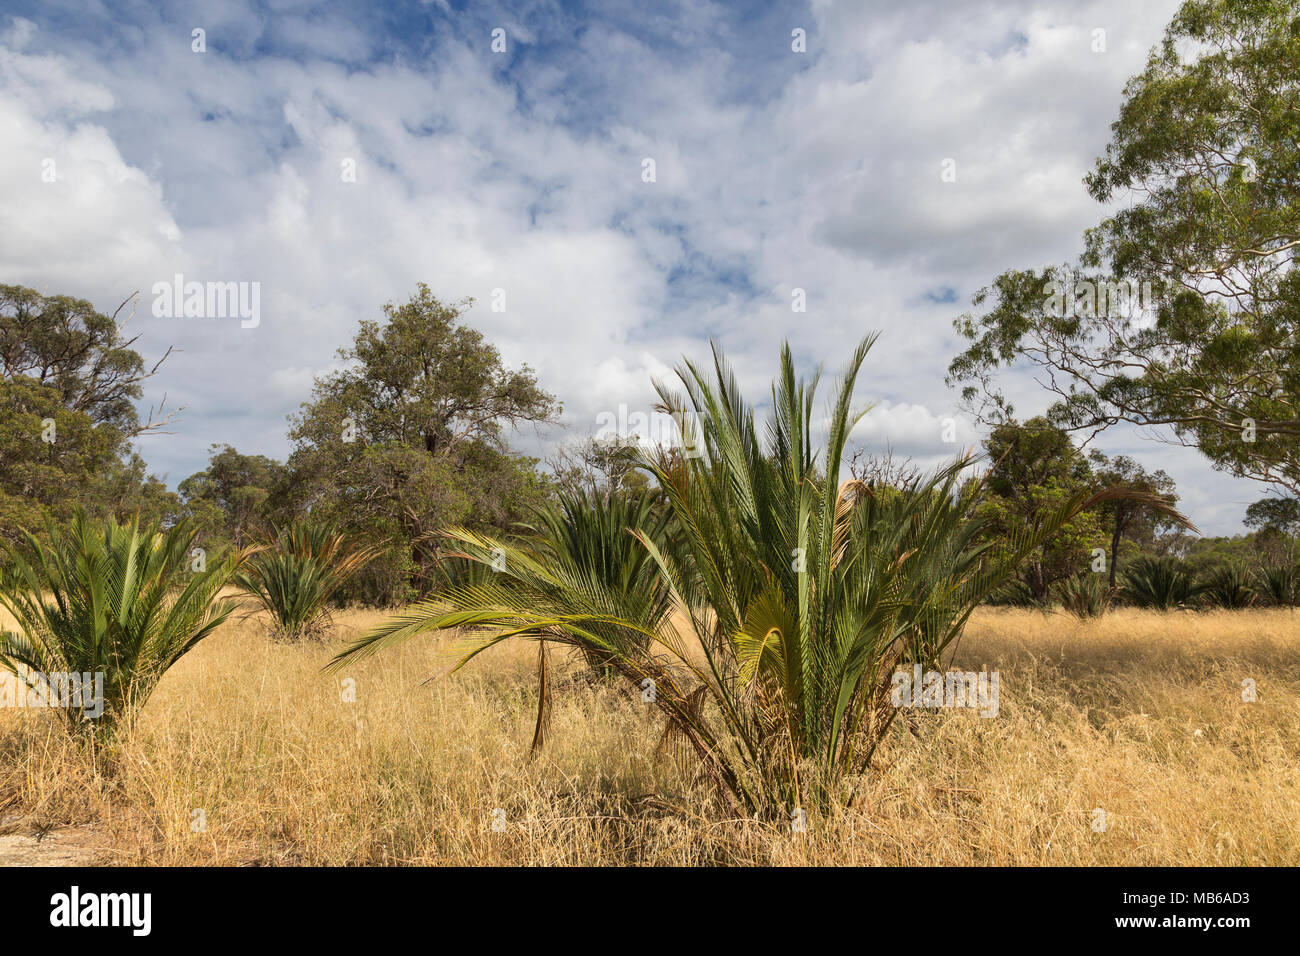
pixel 296 575
pixel 1278 584
pixel 1228 586
pixel 1162 583
pixel 121 599
pixel 1085 595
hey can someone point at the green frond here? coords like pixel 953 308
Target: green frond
pixel 112 598
pixel 768 601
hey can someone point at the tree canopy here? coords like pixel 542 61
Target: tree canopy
pixel 1182 311
pixel 411 436
pixel 68 385
pixel 1133 519
pixel 67 344
pixel 1034 467
pixel 1276 514
pixel 229 497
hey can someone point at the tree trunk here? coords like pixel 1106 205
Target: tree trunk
pixel 1038 585
pixel 1114 547
pixel 417 567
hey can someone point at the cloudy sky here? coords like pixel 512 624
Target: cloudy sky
pixel 522 171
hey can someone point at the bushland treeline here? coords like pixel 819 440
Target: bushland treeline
pixel 412 438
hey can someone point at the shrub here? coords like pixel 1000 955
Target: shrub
pixel 1228 586
pixel 114 598
pixel 1085 595
pixel 1162 583
pixel 798 596
pixel 296 575
pixel 1278 583
pixel 1013 593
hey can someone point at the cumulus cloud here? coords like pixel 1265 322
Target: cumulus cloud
pixel 522 172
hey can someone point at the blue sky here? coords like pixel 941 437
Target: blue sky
pixel 522 171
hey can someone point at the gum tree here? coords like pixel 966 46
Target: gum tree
pixel 411 436
pixel 1202 165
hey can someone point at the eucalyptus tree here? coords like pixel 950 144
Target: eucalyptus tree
pixel 1183 310
pixel 411 435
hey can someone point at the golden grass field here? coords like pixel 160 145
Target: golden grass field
pixel 1139 714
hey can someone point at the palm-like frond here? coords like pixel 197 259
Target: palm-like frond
pixel 1162 583
pixel 113 598
pixel 296 574
pixel 1280 583
pixel 798 596
pixel 1085 595
pixel 1229 586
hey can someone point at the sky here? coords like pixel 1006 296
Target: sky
pixel 338 153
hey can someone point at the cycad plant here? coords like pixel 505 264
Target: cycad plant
pixel 1016 593
pixel 1085 595
pixel 1279 583
pixel 296 574
pixel 580 559
pixel 1229 586
pixel 1162 583
pixel 591 540
pixel 100 597
pixel 795 597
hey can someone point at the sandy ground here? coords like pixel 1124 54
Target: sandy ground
pixel 70 846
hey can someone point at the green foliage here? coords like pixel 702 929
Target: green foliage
pixel 599 465
pixel 593 537
pixel 1203 154
pixel 42 478
pixel 229 497
pixel 68 381
pixel 1203 555
pixel 1280 583
pixel 410 438
pixel 583 552
pixel 118 598
pixel 1130 519
pixel 298 573
pixel 1014 593
pixel 797 596
pixel 1035 468
pixel 1277 514
pixel 125 489
pixel 64 343
pixel 1085 595
pixel 1161 583
pixel 1229 586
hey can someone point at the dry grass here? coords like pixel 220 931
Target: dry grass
pixel 1138 714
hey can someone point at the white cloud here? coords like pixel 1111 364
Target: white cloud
pixel 775 170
